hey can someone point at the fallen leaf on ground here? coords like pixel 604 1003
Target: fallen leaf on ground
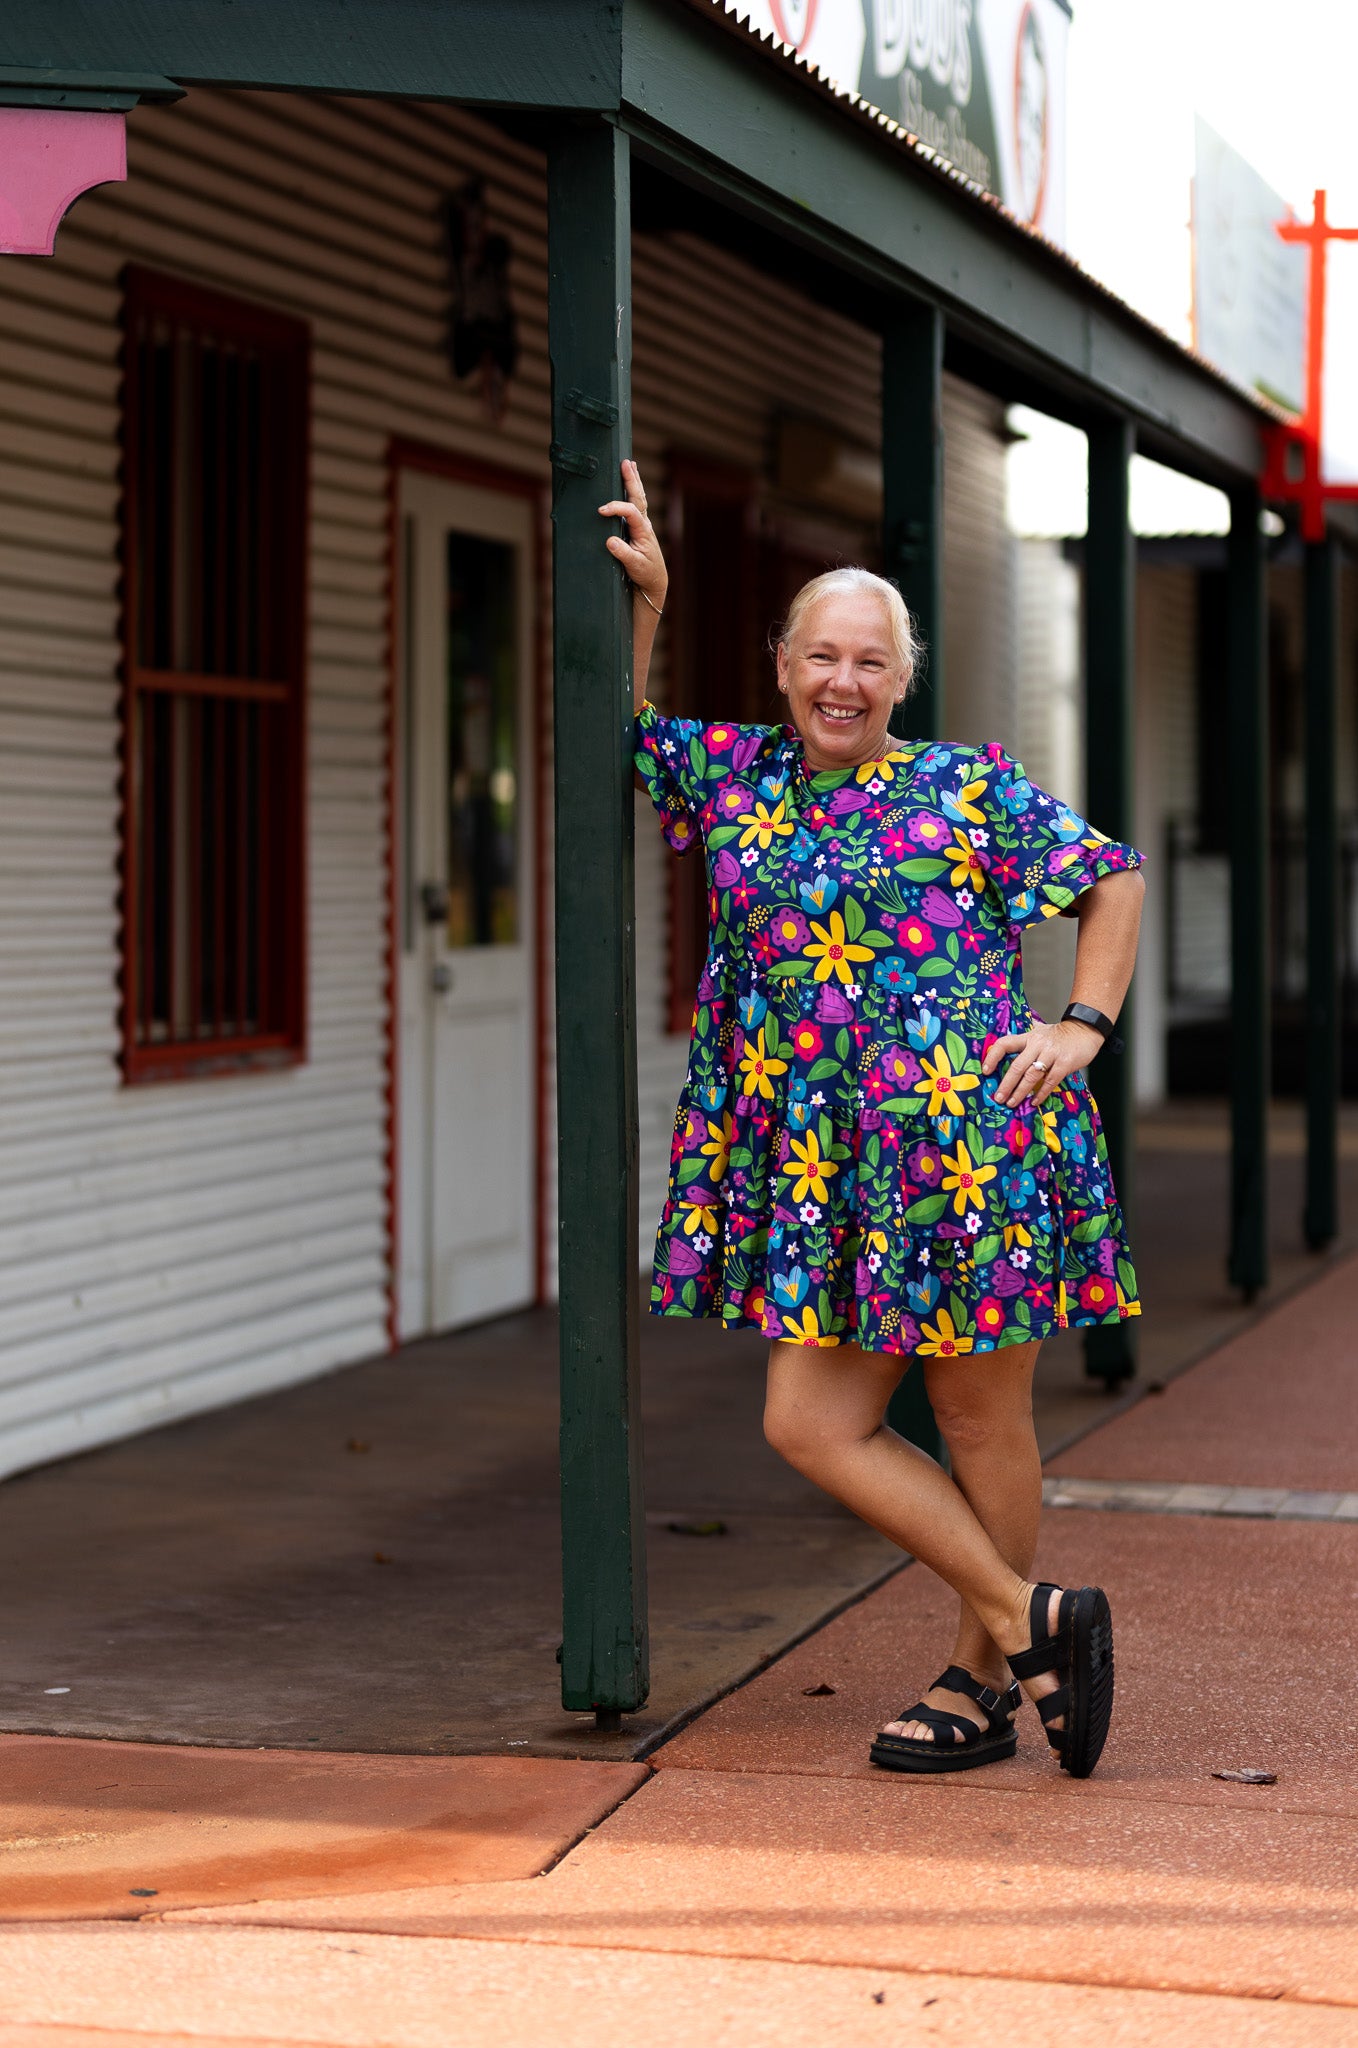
pixel 1248 1777
pixel 816 1692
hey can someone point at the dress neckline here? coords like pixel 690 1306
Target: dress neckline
pixel 823 781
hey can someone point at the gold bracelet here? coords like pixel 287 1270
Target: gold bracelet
pixel 650 601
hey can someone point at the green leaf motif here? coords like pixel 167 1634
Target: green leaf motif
pixel 936 964
pixel 928 1210
pixel 987 1248
pixel 842 1044
pixel 789 970
pixel 823 1070
pixel 957 1050
pixel 854 919
pixel 1093 1227
pixel 951 947
pixel 921 870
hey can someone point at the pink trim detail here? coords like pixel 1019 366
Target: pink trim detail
pixel 48 157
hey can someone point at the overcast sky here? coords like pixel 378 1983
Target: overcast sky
pixel 1277 79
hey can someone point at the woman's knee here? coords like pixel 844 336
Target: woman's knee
pixel 793 1432
pixel 975 1416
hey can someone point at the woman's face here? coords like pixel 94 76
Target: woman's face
pixel 842 680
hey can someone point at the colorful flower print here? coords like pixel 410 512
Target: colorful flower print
pixel 833 950
pixel 840 1172
pixel 759 1069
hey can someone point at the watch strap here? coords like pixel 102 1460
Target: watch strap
pixel 1085 1013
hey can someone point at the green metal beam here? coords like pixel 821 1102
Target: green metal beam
pixel 1320 1219
pixel 724 115
pixel 1110 669
pixel 604 1654
pixel 912 487
pixel 1247 779
pixel 513 53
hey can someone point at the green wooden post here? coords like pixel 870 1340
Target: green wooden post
pixel 912 553
pixel 1320 1219
pixel 604 1655
pixel 912 496
pixel 1110 655
pixel 1247 778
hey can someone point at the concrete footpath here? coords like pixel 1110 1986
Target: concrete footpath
pixel 756 1881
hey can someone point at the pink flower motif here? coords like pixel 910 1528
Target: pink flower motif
pixel 894 843
pixel 915 936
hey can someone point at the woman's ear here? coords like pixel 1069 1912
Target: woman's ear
pixel 782 666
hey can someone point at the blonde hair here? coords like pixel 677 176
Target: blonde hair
pixel 843 583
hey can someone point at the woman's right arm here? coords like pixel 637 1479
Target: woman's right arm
pixel 639 553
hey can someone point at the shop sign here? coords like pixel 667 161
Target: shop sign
pixel 982 82
pixel 1249 286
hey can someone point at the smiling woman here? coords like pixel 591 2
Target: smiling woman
pixel 880 1153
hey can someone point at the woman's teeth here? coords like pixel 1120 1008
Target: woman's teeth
pixel 836 716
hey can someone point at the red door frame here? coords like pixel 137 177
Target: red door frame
pixel 431 460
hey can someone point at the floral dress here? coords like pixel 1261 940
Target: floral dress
pixel 841 1169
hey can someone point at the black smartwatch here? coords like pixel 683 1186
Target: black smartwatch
pixel 1085 1013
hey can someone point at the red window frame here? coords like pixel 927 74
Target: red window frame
pixel 215 427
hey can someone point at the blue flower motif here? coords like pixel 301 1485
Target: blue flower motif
pixel 936 758
pixel 946 1126
pixel 753 1010
pixel 803 844
pixel 820 894
pixel 712 1094
pixel 1068 825
pixel 922 1294
pixel 984 1344
pixel 797 1088
pixel 1019 1187
pixel 799 1115
pixel 894 973
pixel 790 1288
pixel 922 1029
pixel 775 1237
pixel 772 786
pixel 1072 1140
pixel 1016 795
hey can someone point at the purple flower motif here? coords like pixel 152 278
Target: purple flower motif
pixel 1106 1257
pixel 1004 1280
pixel 788 929
pixel 862 1279
pixel 924 1163
pixel 745 749
pixel 909 1333
pixel 732 799
pixel 940 908
pixel 684 1260
pixel 726 869
pixel 899 1068
pixel 870 1120
pixel 833 1006
pixel 846 803
pixel 927 829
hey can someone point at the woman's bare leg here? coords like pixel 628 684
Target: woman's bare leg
pixel 983 1405
pixel 824 1413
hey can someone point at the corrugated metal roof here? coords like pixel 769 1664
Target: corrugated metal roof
pixel 931 164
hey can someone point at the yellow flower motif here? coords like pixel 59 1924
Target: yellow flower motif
pixel 763 824
pixel 944 1088
pixel 697 1217
pixel 966 804
pixel 720 1138
pixel 809 1170
pixel 755 1068
pixel 942 1340
pixel 807 1331
pixel 1016 1233
pixel 885 769
pixel 967 1180
pixel 966 862
pixel 875 1241
pixel 834 953
pixel 1062 1303
pixel 1049 1131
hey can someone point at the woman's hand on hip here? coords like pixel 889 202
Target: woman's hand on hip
pixel 1040 1059
pixel 639 550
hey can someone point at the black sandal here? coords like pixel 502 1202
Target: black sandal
pixel 1081 1655
pixel 967 1744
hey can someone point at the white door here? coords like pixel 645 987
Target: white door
pixel 466 1222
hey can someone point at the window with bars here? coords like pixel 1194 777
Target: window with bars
pixel 215 406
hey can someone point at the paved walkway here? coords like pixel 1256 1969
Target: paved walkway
pixel 759 1882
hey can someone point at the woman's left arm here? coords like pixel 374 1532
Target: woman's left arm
pixel 1109 917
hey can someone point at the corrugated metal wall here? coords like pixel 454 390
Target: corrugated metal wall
pixel 168 1248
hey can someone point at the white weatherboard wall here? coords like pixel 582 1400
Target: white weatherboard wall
pixel 168 1248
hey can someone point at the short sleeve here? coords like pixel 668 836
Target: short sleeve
pixel 1040 854
pixel 685 765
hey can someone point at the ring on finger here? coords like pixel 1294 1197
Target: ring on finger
pixel 1039 1066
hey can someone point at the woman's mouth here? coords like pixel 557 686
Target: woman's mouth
pixel 838 715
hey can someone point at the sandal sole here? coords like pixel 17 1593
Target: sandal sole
pixel 1089 1647
pixel 926 1759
